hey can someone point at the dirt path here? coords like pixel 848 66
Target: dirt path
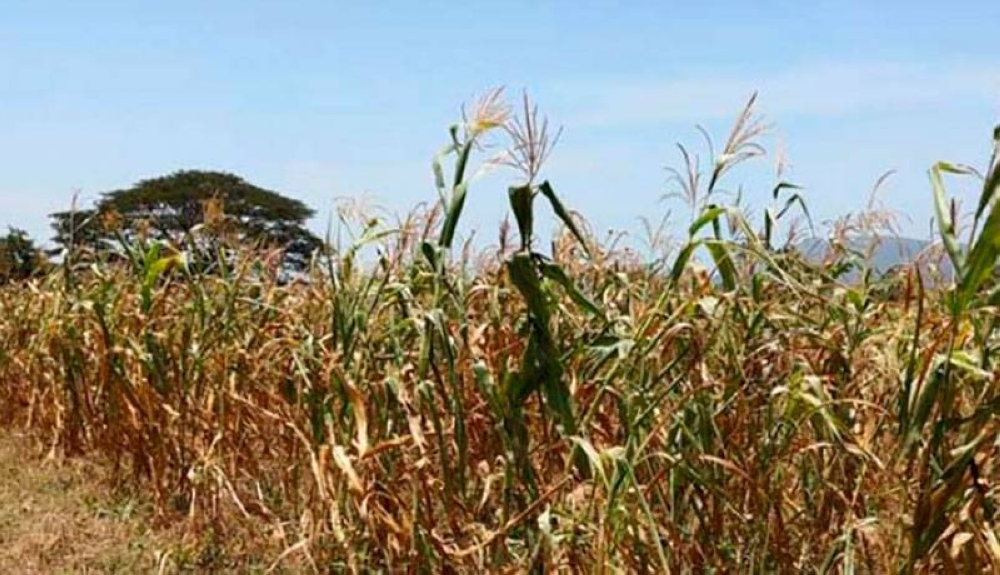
pixel 59 518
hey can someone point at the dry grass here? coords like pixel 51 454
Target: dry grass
pixel 61 518
pixel 65 515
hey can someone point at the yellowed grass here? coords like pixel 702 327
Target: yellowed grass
pixel 59 517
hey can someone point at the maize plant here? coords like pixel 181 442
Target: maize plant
pixel 412 403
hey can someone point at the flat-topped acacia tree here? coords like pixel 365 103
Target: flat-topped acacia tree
pixel 169 207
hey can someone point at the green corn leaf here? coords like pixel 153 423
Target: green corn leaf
pixel 983 256
pixel 991 187
pixel 963 170
pixel 723 263
pixel 161 265
pixel 946 226
pixel 541 364
pixel 431 254
pixel 454 213
pixel 523 274
pixel 557 394
pixel 521 200
pixel 153 272
pixel 768 226
pixel 710 216
pixel 680 264
pixel 783 186
pixel 484 380
pixel 909 376
pixel 796 199
pixel 924 404
pixel 437 166
pixel 557 274
pixel 520 385
pixel 563 214
pixel 594 459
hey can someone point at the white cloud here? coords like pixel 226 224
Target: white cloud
pixel 823 89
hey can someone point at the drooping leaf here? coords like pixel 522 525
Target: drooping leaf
pixel 521 200
pixel 710 215
pixel 563 214
pixel 556 273
pixel 946 226
pixel 680 264
pixel 723 262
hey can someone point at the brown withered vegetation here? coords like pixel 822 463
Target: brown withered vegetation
pixel 591 411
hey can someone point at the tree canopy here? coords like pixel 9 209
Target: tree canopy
pixel 169 207
pixel 76 228
pixel 19 257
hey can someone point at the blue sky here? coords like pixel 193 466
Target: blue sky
pixel 322 100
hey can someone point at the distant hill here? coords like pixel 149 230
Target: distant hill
pixel 886 253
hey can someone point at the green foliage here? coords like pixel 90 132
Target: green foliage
pixel 948 437
pixel 77 230
pixel 20 259
pixel 541 368
pixel 169 207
